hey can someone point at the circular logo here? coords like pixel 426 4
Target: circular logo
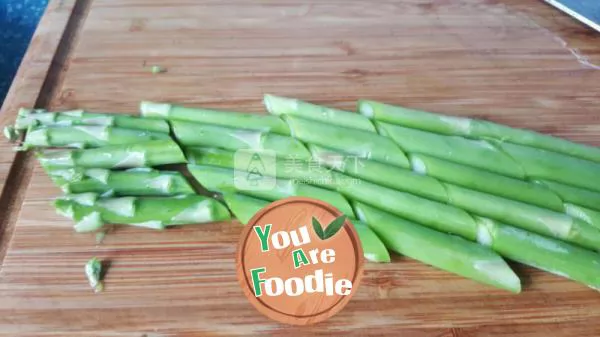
pixel 299 261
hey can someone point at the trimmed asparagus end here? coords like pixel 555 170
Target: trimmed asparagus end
pixel 93 272
pixel 418 165
pixel 365 109
pixel 58 158
pixel 89 223
pixel 153 224
pixel 124 206
pixel 11 133
pixel 277 105
pixel 158 69
pixel 86 199
pixel 152 109
pixel 36 137
pixel 64 208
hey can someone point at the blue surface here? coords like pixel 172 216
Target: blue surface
pixel 18 19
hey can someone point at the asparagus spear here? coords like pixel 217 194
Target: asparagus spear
pixel 474 128
pixel 249 121
pixel 577 196
pixel 151 153
pixel 531 218
pixel 360 143
pixel 379 173
pixel 542 164
pixel 218 179
pixel 277 105
pixel 440 250
pixel 91 212
pixel 196 134
pixel 486 181
pixel 34 117
pixel 85 136
pixel 432 214
pixel 551 255
pixel 131 182
pixel 245 207
pixel 273 166
pixel 477 153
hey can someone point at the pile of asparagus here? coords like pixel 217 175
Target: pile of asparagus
pixel 455 193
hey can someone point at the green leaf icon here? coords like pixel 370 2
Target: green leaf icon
pixel 334 226
pixel 318 228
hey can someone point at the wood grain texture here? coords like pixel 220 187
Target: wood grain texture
pixel 511 61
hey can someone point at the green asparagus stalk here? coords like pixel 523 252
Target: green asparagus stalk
pixel 542 164
pixel 574 195
pixel 86 136
pixel 373 248
pixel 379 173
pixel 440 250
pixel 305 172
pixel 30 117
pixel 151 153
pixel 474 128
pixel 265 123
pixel 219 179
pixel 244 207
pixel 477 153
pixel 91 212
pixel 436 215
pixel 131 182
pixel 529 217
pixel 196 134
pixel 486 181
pixel 360 143
pixel 277 105
pixel 554 256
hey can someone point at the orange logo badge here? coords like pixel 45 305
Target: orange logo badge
pixel 299 261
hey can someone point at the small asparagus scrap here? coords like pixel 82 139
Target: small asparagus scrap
pixel 277 105
pixel 35 117
pixel 473 128
pixel 93 272
pixel 86 136
pixel 197 134
pixel 131 182
pixel 150 153
pixel 91 212
pixel 241 120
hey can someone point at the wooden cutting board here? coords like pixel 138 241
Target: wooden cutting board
pixel 517 62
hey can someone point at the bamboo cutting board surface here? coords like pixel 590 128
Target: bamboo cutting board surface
pixel 511 61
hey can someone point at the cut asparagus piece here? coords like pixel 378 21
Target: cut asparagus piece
pixel 86 136
pixel 373 248
pixel 151 153
pixel 277 105
pixel 542 164
pixel 196 134
pixel 29 117
pixel 266 123
pixel 93 272
pixel 91 212
pixel 388 175
pixel 574 195
pixel 132 182
pixel 219 179
pixel 529 217
pixel 474 128
pixel 244 207
pixel 486 181
pixel 551 255
pixel 436 215
pixel 440 250
pixel 305 172
pixel 477 153
pixel 360 143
